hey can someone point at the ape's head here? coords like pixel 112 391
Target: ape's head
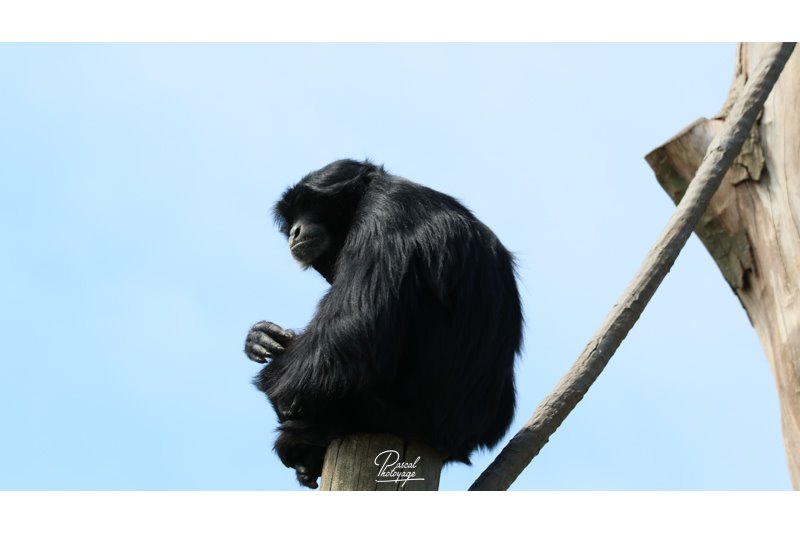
pixel 316 214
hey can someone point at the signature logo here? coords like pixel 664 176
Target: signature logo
pixel 391 470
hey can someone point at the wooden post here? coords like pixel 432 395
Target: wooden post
pixel 380 462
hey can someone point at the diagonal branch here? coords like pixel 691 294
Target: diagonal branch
pixel 549 415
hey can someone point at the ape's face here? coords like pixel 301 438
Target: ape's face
pixel 316 215
pixel 308 240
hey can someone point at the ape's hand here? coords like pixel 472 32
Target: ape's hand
pixel 266 340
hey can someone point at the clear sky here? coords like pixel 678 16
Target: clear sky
pixel 136 183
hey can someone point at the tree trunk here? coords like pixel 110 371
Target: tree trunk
pixel 752 225
pixel 380 462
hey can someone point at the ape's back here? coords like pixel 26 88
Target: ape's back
pixel 460 318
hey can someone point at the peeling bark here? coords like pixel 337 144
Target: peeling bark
pixel 752 225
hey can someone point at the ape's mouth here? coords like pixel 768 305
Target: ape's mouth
pixel 301 244
pixel 308 249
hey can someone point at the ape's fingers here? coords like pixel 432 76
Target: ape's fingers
pixel 256 353
pixel 282 335
pixel 266 341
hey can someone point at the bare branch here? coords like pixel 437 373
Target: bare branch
pixel 549 415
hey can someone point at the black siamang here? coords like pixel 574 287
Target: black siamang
pixel 416 336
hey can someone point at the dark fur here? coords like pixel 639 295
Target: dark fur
pixel 418 333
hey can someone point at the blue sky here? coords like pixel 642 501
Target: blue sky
pixel 138 248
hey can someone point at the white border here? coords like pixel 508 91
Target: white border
pixel 620 512
pixel 395 20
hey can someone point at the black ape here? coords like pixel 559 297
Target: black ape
pixel 417 334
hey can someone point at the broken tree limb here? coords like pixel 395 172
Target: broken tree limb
pixel 549 415
pixel 752 225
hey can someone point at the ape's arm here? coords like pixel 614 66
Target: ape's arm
pixel 353 341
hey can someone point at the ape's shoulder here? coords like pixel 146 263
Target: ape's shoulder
pixel 398 197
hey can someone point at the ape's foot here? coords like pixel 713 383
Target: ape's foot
pixel 306 477
pixel 305 458
pixel 308 467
